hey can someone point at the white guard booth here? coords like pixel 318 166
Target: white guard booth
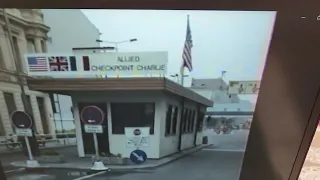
pixel 132 92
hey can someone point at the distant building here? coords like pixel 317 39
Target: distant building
pixel 70 28
pixel 228 106
pixel 29 35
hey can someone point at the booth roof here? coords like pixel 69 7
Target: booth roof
pixel 58 85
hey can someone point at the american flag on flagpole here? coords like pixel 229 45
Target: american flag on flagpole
pixel 37 64
pixel 186 54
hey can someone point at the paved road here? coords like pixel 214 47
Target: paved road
pixel 215 162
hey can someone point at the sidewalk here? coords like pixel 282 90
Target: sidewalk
pixel 86 164
pixel 49 145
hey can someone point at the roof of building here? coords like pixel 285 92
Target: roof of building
pixel 55 85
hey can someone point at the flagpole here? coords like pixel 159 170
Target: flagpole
pixel 182 65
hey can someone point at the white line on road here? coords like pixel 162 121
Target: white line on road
pixel 91 175
pixel 14 170
pixel 225 150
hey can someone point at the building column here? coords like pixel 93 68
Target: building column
pixel 49 114
pixel 37 42
pixel 4 116
pixel 36 114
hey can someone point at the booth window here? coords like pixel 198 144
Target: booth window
pixel 183 120
pixel 175 120
pixel 168 120
pixel 132 115
pixel 191 121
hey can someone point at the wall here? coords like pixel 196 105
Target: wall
pixel 116 147
pixel 15 89
pixel 159 144
pixel 169 144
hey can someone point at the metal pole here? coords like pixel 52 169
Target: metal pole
pixel 116 46
pixel 17 62
pixel 28 148
pixel 96 147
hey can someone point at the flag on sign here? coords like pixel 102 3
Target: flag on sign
pixel 73 63
pixel 37 64
pixel 186 55
pixel 86 63
pixel 58 63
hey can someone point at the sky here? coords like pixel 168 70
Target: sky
pixel 232 41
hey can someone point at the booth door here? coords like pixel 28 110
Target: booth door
pixel 103 138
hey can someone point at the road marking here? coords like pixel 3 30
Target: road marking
pixel 225 150
pixel 14 170
pixel 91 175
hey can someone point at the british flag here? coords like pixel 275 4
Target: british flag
pixel 58 63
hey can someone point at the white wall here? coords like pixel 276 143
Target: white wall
pixel 169 144
pixel 159 144
pixel 117 142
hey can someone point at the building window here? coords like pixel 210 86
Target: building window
pixel 31 46
pixel 11 105
pixel 17 49
pixel 132 115
pixel 175 120
pixel 183 120
pixel 168 120
pixel 171 120
pixel 187 120
pixel 191 121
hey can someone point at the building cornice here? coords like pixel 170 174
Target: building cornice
pixel 25 24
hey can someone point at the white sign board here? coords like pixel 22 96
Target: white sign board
pixel 88 128
pixel 23 132
pixel 244 87
pixel 137 136
pixel 111 64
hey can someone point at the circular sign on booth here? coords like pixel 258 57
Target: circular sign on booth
pixel 92 115
pixel 137 132
pixel 21 119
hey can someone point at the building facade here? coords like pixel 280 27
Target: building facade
pixel 69 28
pixel 29 34
pixel 226 106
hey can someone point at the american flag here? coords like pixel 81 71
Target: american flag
pixel 186 55
pixel 37 64
pixel 58 63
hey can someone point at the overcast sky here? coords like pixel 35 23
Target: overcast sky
pixel 234 41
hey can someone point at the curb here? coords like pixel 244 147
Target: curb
pixel 150 167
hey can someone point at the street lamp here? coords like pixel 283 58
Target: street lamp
pixel 117 42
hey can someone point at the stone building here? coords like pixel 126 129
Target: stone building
pixel 29 35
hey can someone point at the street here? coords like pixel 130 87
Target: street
pixel 219 161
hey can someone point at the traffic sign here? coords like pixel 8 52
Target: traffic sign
pixel 23 132
pixel 92 115
pixel 92 128
pixel 21 119
pixel 138 156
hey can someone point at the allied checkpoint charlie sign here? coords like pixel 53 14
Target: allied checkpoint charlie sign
pixel 101 64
